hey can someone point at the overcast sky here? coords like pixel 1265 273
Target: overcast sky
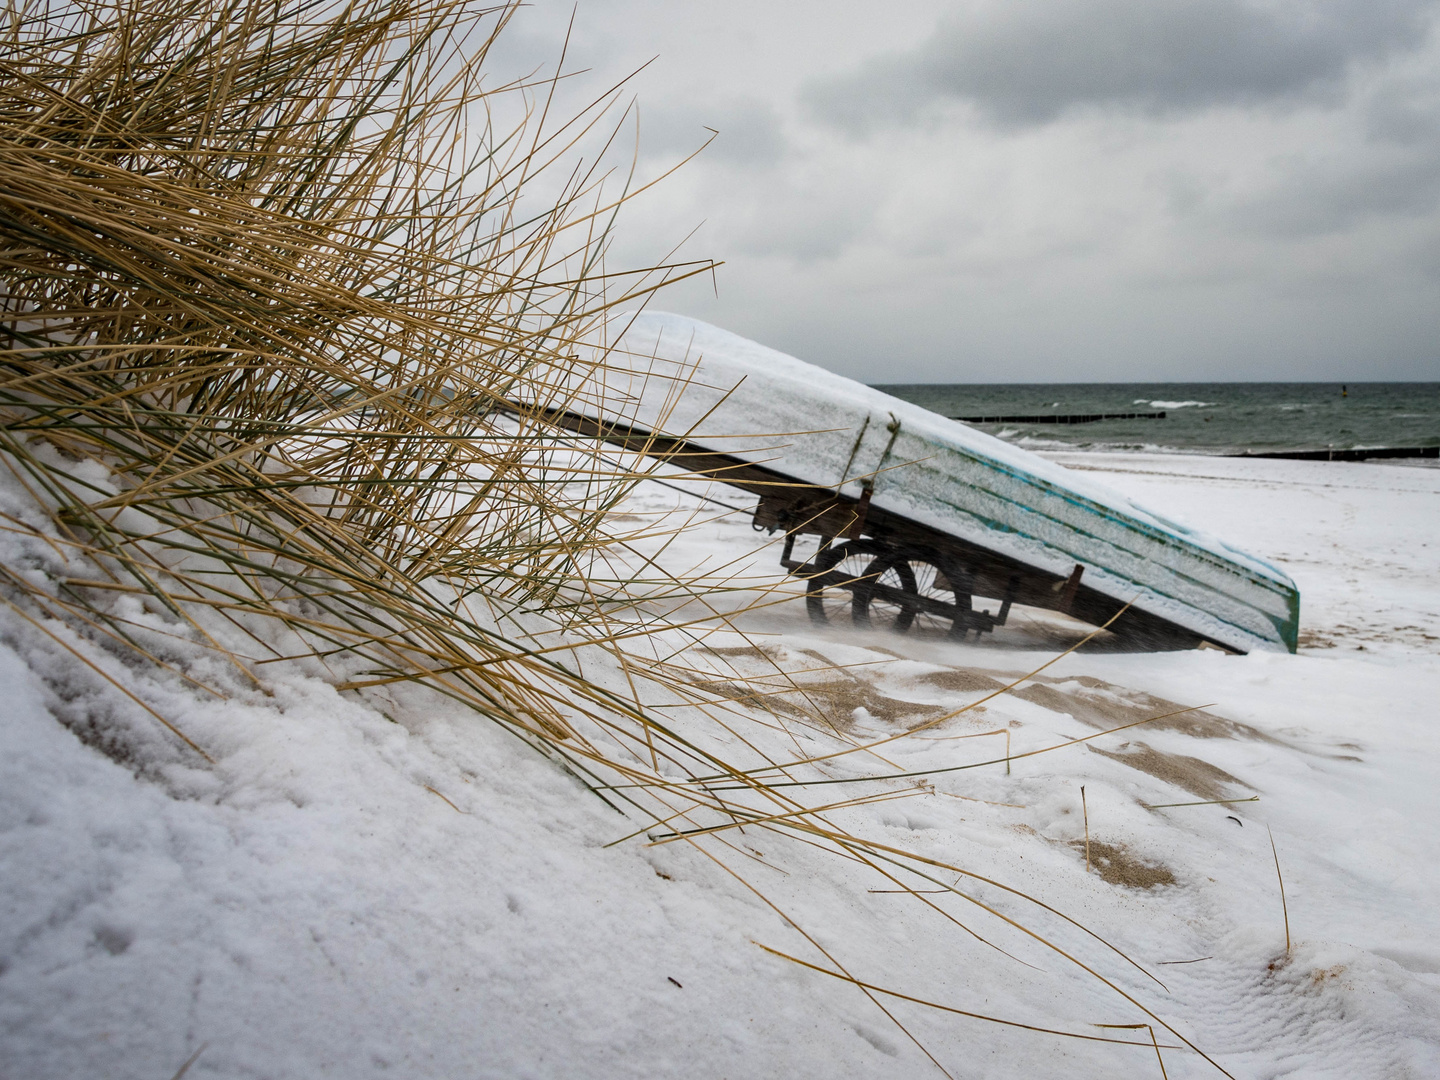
pixel 1041 190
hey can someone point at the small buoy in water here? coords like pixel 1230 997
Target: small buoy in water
pixel 1344 390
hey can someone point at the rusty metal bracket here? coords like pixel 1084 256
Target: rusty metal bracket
pixel 862 508
pixel 1072 586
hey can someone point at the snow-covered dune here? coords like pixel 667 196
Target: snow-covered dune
pixel 390 886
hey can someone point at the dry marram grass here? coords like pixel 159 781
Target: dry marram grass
pixel 284 308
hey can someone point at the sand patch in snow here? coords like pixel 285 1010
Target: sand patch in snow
pixel 827 691
pixel 1102 705
pixel 1117 866
pixel 963 680
pixel 1200 778
pixel 835 701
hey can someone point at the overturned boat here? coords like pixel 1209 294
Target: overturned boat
pixel 918 517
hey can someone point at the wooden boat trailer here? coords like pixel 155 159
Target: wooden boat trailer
pixel 895 570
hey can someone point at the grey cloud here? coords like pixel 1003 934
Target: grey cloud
pixel 801 231
pixel 1027 63
pixel 749 132
pixel 1342 197
pixel 1406 111
pixel 1384 163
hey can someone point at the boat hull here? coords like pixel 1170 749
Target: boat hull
pixel 735 398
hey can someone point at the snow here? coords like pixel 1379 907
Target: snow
pixel 389 885
pixel 827 430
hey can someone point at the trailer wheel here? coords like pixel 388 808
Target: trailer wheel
pixel 824 603
pixel 907 581
pixel 865 565
pixel 852 561
pixel 886 612
pixel 934 581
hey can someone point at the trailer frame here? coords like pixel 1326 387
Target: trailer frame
pixel 851 528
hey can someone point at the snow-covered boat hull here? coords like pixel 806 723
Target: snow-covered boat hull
pixel 908 469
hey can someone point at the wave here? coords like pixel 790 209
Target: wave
pixel 1174 404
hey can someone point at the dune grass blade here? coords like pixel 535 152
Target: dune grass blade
pixel 1284 907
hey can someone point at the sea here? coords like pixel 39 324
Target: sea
pixel 1200 418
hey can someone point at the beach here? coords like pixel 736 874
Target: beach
pixel 393 689
pixel 362 887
